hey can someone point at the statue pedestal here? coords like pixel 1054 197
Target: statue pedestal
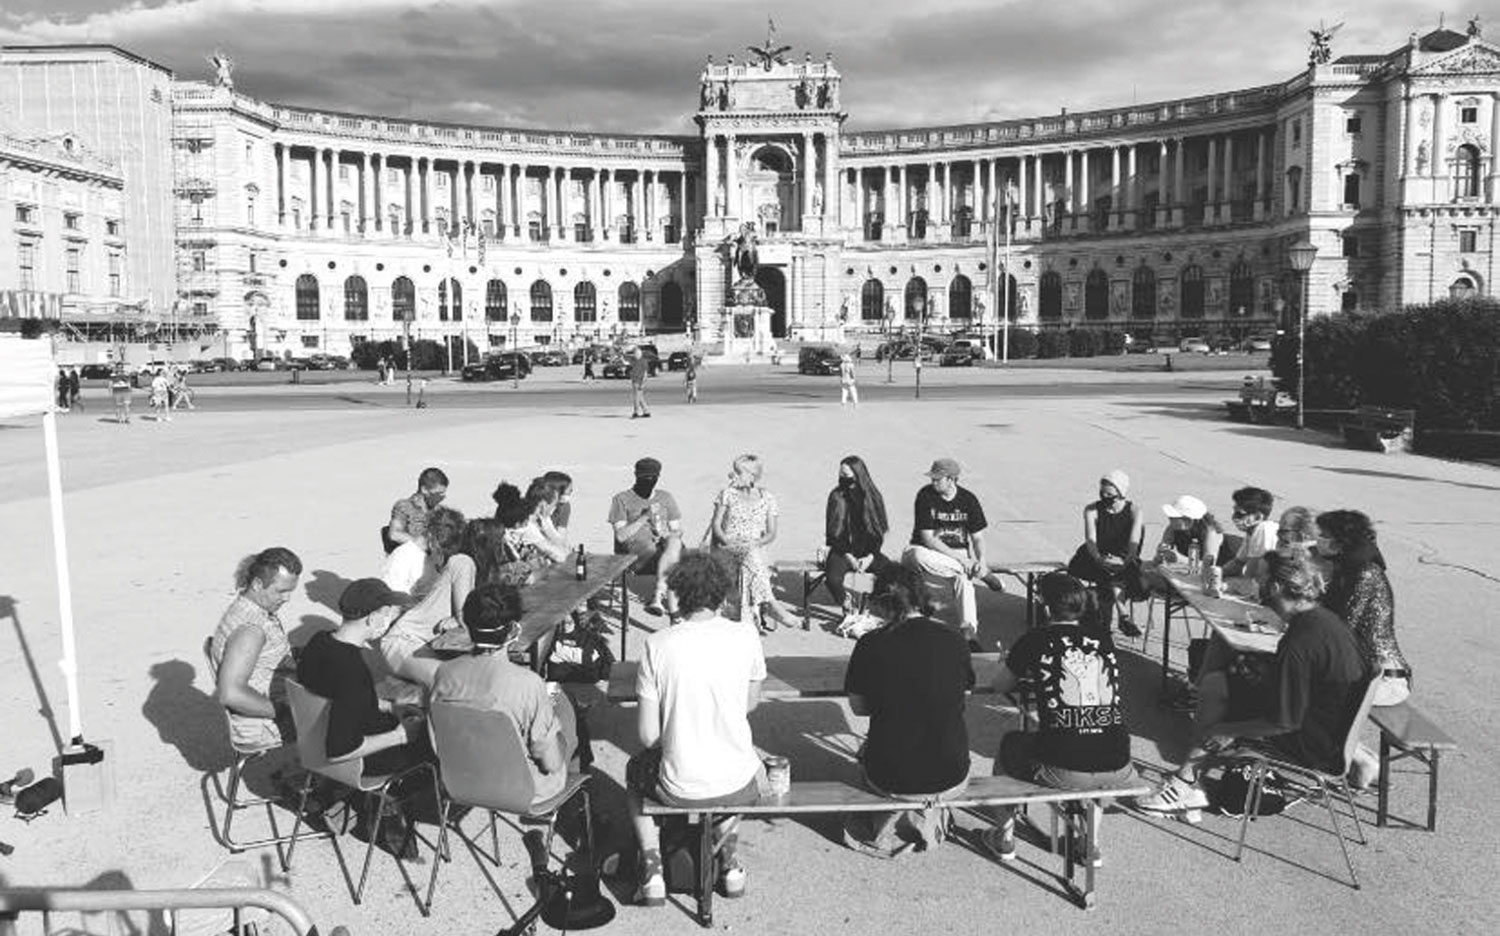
pixel 747 334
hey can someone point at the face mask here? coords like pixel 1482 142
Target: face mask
pixel 847 483
pixel 644 486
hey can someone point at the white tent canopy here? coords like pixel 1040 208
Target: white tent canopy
pixel 28 377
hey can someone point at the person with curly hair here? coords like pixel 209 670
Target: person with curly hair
pixel 744 524
pixel 1360 593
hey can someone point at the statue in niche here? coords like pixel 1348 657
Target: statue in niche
pixel 845 306
pixel 825 94
pixel 1320 52
pixel 802 93
pixel 223 70
pixel 817 198
pixel 1423 157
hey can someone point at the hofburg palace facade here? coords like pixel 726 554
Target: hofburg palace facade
pixel 279 229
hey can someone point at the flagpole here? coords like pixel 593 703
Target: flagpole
pixel 992 241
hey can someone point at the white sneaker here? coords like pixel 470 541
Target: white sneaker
pixel 1175 795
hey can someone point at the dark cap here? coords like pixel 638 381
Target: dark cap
pixel 364 597
pixel 944 468
pixel 648 468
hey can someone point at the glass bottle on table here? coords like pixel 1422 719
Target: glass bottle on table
pixel 581 565
pixel 1195 557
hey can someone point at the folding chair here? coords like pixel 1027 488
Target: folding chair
pixel 230 797
pixel 482 762
pixel 1316 784
pixel 310 713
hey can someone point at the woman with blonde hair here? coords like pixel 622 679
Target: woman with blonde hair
pixel 744 524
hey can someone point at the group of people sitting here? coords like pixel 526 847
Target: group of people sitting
pixel 699 679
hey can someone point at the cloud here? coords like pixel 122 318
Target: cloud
pixel 632 65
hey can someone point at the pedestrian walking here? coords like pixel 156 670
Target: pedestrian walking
pixel 182 394
pixel 60 389
pixel 638 384
pixel 119 389
pixel 848 392
pixel 588 364
pixel 161 397
pixel 75 391
pixel 690 379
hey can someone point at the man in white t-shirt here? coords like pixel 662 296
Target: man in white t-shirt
pixel 698 682
pixel 1252 516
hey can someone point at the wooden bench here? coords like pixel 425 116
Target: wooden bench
pixel 836 796
pixel 1379 429
pixel 1412 735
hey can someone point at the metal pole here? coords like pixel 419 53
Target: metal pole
pixel 917 360
pixel 1005 302
pixel 890 353
pixel 1301 352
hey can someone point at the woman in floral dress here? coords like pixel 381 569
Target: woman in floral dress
pixel 744 525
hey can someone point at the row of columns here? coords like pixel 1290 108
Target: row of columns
pixel 817 161
pixel 1427 153
pixel 1068 185
pixel 644 211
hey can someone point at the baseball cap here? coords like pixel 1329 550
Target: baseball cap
pixel 1119 480
pixel 365 596
pixel 1186 506
pixel 944 468
pixel 648 468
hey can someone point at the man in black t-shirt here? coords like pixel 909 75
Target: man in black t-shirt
pixel 1073 675
pixel 947 545
pixel 1300 708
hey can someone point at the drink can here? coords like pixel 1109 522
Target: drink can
pixel 822 556
pixel 778 775
pixel 1213 581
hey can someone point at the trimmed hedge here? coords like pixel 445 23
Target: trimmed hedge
pixel 1023 343
pixel 1442 360
pixel 426 354
pixel 1052 344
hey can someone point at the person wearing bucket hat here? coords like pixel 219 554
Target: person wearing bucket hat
pixel 1188 520
pixel 1110 557
pixel 947 543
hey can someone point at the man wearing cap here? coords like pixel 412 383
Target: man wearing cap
pixel 488 680
pixel 332 666
pixel 947 542
pixel 648 524
pixel 1110 557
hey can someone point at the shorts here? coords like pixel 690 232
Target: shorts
pixel 648 554
pixel 1017 758
pixel 643 778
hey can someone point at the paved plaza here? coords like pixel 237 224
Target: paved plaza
pixel 158 516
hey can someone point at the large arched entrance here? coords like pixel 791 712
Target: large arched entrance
pixel 773 281
pixel 770 184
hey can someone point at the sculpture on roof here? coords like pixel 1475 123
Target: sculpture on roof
pixel 1476 29
pixel 223 70
pixel 770 53
pixel 1320 52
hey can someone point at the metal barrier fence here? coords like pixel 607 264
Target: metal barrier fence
pixel 49 900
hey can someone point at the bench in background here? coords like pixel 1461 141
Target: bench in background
pixel 1415 736
pixel 1379 429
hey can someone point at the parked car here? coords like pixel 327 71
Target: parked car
pixel 551 357
pixel 905 349
pixel 614 367
pixel 268 364
pixel 818 360
pixel 503 365
pixel 1134 345
pixel 95 371
pixel 1193 346
pixel 1258 344
pixel 678 360
pixel 963 352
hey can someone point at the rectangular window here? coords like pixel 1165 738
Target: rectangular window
pixel 345 216
pixel 309 341
pixel 1351 245
pixel 197 211
pixel 253 256
pixel 75 269
pixel 112 228
pixel 1352 124
pixel 1351 190
pixel 488 185
pixel 26 256
pixel 1468 241
pixel 200 308
pixel 250 211
pixel 395 176
pixel 200 261
pixel 72 220
pixel 297 218
pixel 25 214
pixel 1296 133
pixel 1468 115
pixel 343 172
pixel 116 288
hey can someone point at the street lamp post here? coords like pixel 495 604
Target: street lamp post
pixel 515 355
pixel 920 307
pixel 1302 255
pixel 890 348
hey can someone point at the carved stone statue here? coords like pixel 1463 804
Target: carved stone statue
pixel 746 251
pixel 1476 28
pixel 825 94
pixel 1320 52
pixel 817 198
pixel 770 53
pixel 845 307
pixel 705 93
pixel 1422 158
pixel 223 70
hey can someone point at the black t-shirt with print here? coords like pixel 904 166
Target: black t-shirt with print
pixel 952 520
pixel 1074 676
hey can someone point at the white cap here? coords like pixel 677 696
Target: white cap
pixel 1185 506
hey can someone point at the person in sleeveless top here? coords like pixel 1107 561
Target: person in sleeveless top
pixel 1110 555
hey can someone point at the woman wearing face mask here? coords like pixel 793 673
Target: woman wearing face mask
pixel 1359 592
pixel 854 529
pixel 744 525
pixel 1110 555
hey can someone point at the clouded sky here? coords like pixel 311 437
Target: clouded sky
pixel 632 65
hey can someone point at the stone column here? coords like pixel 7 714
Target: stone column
pixel 1070 195
pixel 1410 137
pixel 1177 184
pixel 1226 214
pixel 606 205
pixel 1084 206
pixel 410 219
pixel 1493 195
pixel 711 174
pixel 1210 207
pixel 833 202
pixel 461 196
pixel 283 156
pixel 682 205
pixel 424 186
pixel 365 195
pixel 731 179
pixel 1132 188
pixel 637 224
pixel 1116 194
pixel 514 176
pixel 992 192
pixel 312 189
pixel 499 176
pixel 1163 202
pixel 1259 210
pixel 807 174
pixel 1024 207
pixel 1439 163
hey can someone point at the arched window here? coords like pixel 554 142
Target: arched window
pixel 1466 171
pixel 541 301
pixel 1143 293
pixel 403 300
pixel 1241 290
pixel 961 298
pixel 1462 288
pixel 1192 292
pixel 872 301
pixel 455 311
pixel 356 300
pixel 916 298
pixel 630 302
pixel 495 301
pixel 585 303
pixel 1050 296
pixel 1096 295
pixel 307 298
